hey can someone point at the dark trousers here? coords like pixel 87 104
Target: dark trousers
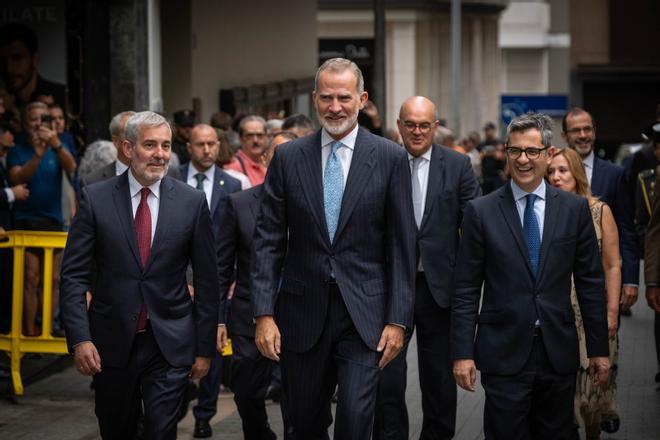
pixel 656 328
pixel 6 277
pixel 251 375
pixel 209 387
pixel 536 403
pixel 340 358
pixel 148 378
pixel 436 379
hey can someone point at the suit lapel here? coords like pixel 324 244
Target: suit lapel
pixel 549 223
pixel 122 200
pixel 596 177
pixel 358 176
pixel 435 181
pixel 217 189
pixel 311 178
pixel 510 212
pixel 166 205
pixel 254 203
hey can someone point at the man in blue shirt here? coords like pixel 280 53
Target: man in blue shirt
pixel 38 163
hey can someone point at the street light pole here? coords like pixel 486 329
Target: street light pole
pixel 379 59
pixel 456 66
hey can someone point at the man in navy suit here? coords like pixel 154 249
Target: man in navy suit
pixel 607 182
pixel 334 260
pixel 202 173
pixel 442 183
pixel 526 241
pixel 130 245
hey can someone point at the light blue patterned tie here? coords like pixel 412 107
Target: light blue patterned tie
pixel 531 233
pixel 333 189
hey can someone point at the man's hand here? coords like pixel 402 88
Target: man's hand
pixel 390 344
pixel 267 337
pixel 628 297
pixel 612 323
pixel 87 359
pixel 48 136
pixel 653 297
pixel 221 340
pixel 465 374
pixel 200 368
pixel 599 369
pixel 21 192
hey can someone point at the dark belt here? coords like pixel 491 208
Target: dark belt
pixel 537 331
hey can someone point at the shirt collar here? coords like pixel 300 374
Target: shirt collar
pixel 135 186
pixel 589 160
pixel 347 141
pixel 192 171
pixel 426 155
pixel 519 193
pixel 120 168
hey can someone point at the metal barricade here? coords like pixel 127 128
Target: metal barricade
pixel 15 344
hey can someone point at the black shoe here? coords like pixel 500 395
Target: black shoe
pixel 202 429
pixel 657 377
pixel 610 425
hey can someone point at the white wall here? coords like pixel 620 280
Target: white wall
pixel 245 43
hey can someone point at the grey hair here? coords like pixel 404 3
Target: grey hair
pixel 251 118
pixel 97 155
pixel 441 135
pixel 115 123
pixel 141 120
pixel 33 105
pixel 529 121
pixel 274 124
pixel 338 65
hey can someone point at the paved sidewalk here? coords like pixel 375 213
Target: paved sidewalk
pixel 61 406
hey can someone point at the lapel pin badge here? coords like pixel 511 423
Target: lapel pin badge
pixel 222 183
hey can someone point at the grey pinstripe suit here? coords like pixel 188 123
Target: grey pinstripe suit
pixel 331 326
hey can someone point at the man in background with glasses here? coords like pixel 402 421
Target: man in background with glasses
pixel 249 159
pixel 442 183
pixel 525 242
pixel 608 183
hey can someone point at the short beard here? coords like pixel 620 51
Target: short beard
pixel 337 130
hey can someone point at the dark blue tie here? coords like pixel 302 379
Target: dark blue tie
pixel 531 233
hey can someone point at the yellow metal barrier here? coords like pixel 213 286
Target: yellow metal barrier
pixel 14 343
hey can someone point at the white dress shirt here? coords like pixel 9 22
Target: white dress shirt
pixel 422 173
pixel 589 166
pixel 344 153
pixel 539 204
pixel 153 200
pixel 119 168
pixel 208 182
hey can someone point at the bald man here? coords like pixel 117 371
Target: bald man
pixel 202 173
pixel 442 183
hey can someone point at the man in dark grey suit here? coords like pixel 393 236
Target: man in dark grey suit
pixel 116 128
pixel 202 173
pixel 334 261
pixel 142 336
pixel 526 243
pixel 442 183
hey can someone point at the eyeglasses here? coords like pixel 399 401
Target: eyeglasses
pixel 531 152
pixel 577 130
pixel 424 127
pixel 257 135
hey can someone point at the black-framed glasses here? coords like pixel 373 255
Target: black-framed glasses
pixel 531 152
pixel 424 127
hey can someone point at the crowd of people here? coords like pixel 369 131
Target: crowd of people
pixel 318 253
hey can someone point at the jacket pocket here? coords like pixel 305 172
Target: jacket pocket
pixel 292 286
pixel 179 311
pixel 375 287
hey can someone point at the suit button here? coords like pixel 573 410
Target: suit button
pixel 134 317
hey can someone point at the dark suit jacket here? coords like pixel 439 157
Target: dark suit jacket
pixel 373 253
pixel 609 184
pixel 493 250
pixel 5 208
pixel 234 256
pixel 652 240
pixel 223 185
pixel 103 236
pixel 108 171
pixel 451 185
